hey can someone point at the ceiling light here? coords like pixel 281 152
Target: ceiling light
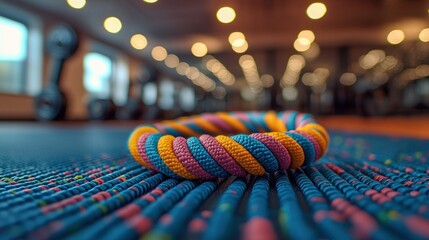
pixel 296 62
pixel 316 10
pixel 138 41
pixel 233 37
pixel 159 53
pixel 242 48
pixel 210 63
pixel 267 80
pixel 182 68
pixel 313 52
pixel 238 43
pixel 395 36
pixel 299 46
pixel 290 93
pixel 307 34
pixel 246 64
pixel 199 49
pixel 245 58
pixel 322 72
pixel 150 1
pixel 348 79
pixel 219 93
pixel 225 15
pixel 112 24
pixel 77 4
pixel 192 73
pixel 304 41
pixel 309 79
pixel 424 35
pixel 217 66
pixel 171 61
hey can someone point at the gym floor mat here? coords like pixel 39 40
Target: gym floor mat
pixel 77 182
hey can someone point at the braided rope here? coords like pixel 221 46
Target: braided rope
pixel 286 140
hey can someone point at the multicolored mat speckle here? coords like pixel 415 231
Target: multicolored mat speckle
pixel 366 187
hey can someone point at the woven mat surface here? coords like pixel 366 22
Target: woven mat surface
pixel 78 183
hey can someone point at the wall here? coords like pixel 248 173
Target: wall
pixel 20 107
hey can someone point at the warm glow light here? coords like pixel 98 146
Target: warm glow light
pixel 138 41
pixel 238 43
pixel 171 61
pixel 371 59
pixel 210 63
pixel 395 36
pixel 290 93
pixel 192 73
pixel 219 92
pixel 216 67
pixel 159 53
pixel 246 61
pixel 242 48
pixel 112 24
pixel 267 80
pixel 301 47
pixel 150 1
pixel 236 38
pixel 307 34
pixel 296 63
pixel 182 68
pixel 316 10
pixel 199 49
pixel 424 35
pixel 225 15
pixel 348 79
pixel 78 4
pixel 304 41
pixel 313 52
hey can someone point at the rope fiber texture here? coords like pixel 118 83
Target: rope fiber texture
pixel 219 145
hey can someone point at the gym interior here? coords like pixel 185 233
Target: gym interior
pixel 203 119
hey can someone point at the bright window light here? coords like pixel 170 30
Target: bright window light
pixel 13 40
pixel 13 55
pixel 97 74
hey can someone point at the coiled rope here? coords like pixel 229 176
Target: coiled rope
pixel 263 142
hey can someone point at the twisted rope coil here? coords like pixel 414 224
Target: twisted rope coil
pixel 264 142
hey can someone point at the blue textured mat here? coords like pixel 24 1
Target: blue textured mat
pixel 78 183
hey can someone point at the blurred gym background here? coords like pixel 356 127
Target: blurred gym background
pixel 149 59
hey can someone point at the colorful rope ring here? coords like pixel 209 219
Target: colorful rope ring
pixel 287 140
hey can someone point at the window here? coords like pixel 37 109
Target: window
pixel 13 55
pixel 106 74
pixel 167 90
pixel 187 99
pixel 150 93
pixel 21 51
pixel 97 75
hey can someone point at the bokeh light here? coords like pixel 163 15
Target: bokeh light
pixel 159 53
pixel 307 34
pixel 77 4
pixel 424 35
pixel 316 10
pixel 396 37
pixel 199 49
pixel 112 24
pixel 138 41
pixel 225 15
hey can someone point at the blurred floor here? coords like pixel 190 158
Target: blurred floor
pixel 400 126
pixel 74 180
